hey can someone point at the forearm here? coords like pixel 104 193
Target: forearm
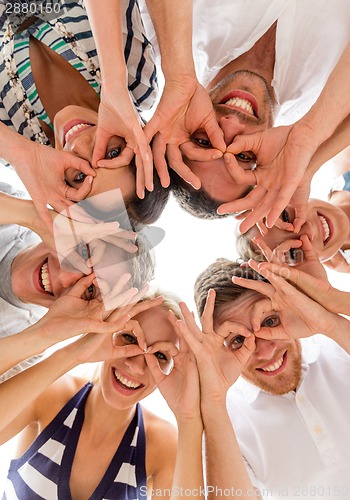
pixel 20 391
pixel 107 31
pixel 338 141
pixel 173 26
pixel 17 211
pixel 331 108
pixel 15 148
pixel 225 465
pixel 339 331
pixel 188 474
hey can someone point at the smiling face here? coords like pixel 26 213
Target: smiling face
pixel 75 130
pixel 125 381
pixel 37 277
pixel 275 365
pixel 327 227
pixel 242 105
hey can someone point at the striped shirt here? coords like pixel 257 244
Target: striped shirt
pixel 70 35
pixel 44 469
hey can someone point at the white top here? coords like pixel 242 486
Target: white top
pixel 311 36
pixel 298 442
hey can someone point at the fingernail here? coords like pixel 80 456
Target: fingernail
pixel 90 179
pixel 217 155
pixel 227 158
pixel 194 187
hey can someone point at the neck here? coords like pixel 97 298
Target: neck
pixel 259 59
pixel 102 421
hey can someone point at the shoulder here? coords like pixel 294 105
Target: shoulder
pixel 55 397
pixel 161 443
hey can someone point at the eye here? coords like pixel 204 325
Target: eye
pixel 284 216
pixel 161 356
pixel 128 338
pixel 247 157
pixel 113 153
pixel 202 141
pixel 90 293
pixel 234 343
pixel 83 250
pixel 271 322
pixel 79 178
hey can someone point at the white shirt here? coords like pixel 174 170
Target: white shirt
pixel 311 36
pixel 300 441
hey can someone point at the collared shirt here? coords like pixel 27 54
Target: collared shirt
pixel 311 36
pixel 299 441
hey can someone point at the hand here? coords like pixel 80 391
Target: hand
pixel 281 177
pixel 180 387
pixel 338 263
pixel 43 174
pixel 72 315
pixel 184 107
pixel 313 282
pixel 117 115
pixel 219 363
pixel 81 245
pixel 297 316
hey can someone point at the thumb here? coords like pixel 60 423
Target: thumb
pixel 249 142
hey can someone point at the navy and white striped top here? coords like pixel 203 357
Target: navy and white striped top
pixel 69 34
pixel 44 469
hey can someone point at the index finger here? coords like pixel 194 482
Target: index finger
pixel 177 164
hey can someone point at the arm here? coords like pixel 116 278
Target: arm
pixel 41 170
pixel 185 105
pixel 219 366
pixel 180 388
pixel 69 316
pixel 288 157
pixel 117 114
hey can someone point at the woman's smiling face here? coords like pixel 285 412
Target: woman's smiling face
pixel 327 227
pixel 75 130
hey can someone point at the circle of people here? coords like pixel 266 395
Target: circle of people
pixel 252 104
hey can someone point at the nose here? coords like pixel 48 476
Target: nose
pixel 136 364
pixel 67 279
pixel 309 229
pixel 83 146
pixel 231 126
pixel 265 349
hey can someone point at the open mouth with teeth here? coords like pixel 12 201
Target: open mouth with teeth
pixel 44 278
pixel 276 367
pixel 73 128
pixel 242 101
pixel 127 384
pixel 326 226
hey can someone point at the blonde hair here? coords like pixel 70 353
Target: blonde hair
pixel 170 301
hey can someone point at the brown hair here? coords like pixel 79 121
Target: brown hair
pixel 218 276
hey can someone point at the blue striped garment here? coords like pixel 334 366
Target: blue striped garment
pixel 44 469
pixel 70 35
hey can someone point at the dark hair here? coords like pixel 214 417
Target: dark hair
pixel 194 201
pixel 197 202
pixel 218 276
pixel 150 208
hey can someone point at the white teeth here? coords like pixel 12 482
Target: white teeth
pixel 325 226
pixel 125 381
pixel 74 129
pixel 273 367
pixel 237 102
pixel 45 279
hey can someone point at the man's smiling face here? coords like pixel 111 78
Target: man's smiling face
pixel 275 365
pixel 243 105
